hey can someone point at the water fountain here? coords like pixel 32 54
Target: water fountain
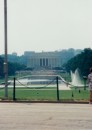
pixel 76 79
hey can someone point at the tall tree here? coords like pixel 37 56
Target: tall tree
pixel 82 61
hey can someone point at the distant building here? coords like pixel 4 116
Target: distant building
pixel 28 53
pixel 43 60
pixel 14 54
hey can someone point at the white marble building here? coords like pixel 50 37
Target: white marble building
pixel 44 60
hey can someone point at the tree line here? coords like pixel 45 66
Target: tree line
pixel 12 67
pixel 83 61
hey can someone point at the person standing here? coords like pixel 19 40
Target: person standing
pixel 89 80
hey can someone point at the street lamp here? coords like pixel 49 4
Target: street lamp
pixel 5 41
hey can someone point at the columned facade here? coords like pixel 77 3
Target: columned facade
pixel 44 60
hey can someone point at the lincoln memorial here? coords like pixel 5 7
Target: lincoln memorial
pixel 43 60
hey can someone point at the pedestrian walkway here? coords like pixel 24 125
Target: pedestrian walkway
pixel 45 116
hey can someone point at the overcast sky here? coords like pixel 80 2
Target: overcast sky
pixel 46 25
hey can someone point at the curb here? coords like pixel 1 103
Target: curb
pixel 23 101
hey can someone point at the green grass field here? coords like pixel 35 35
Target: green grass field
pixel 46 94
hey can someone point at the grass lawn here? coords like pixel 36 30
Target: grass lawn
pixel 46 94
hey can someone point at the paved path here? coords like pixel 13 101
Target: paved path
pixel 45 116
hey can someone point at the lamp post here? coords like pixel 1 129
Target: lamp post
pixel 5 43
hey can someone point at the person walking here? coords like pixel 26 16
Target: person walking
pixel 89 80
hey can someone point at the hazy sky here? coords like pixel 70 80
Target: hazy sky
pixel 48 25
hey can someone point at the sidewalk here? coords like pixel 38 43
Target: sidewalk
pixel 45 116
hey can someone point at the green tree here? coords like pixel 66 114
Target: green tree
pixel 12 68
pixel 1 67
pixel 82 61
